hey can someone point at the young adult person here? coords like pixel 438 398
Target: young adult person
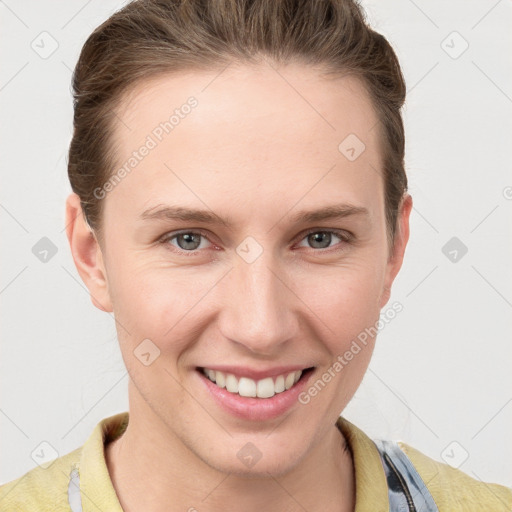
pixel 240 204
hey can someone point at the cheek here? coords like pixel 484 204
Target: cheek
pixel 162 303
pixel 346 299
pixel 348 308
pixel 159 303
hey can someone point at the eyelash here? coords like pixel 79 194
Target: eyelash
pixel 345 236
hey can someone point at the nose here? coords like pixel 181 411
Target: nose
pixel 259 306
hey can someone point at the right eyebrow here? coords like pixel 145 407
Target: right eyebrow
pixel 161 212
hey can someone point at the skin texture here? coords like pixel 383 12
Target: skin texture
pixel 260 145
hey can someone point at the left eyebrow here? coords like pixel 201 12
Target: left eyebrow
pixel 331 212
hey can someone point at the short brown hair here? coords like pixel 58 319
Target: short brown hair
pixel 150 37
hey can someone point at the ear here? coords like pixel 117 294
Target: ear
pixel 87 255
pixel 397 252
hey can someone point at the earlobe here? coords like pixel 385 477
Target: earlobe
pixel 87 254
pixel 396 256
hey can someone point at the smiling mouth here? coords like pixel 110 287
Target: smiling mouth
pixel 247 387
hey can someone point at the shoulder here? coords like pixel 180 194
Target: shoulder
pixel 41 489
pixel 410 475
pixel 58 486
pixel 454 490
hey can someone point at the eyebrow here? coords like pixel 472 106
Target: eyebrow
pixel 331 212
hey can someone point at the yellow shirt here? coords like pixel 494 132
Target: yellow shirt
pixel 50 490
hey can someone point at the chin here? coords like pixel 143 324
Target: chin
pixel 272 466
pixel 254 459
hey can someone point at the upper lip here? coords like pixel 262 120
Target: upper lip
pixel 256 374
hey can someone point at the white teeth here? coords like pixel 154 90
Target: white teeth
pixel 231 383
pixel 264 388
pixel 220 379
pixel 246 387
pixel 279 385
pixel 290 380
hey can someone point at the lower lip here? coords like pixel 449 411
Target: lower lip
pixel 256 409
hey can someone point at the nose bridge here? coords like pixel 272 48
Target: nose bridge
pixel 258 307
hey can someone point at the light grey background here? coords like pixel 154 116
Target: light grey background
pixel 440 377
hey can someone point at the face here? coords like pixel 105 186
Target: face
pixel 244 243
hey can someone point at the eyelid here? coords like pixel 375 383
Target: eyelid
pixel 347 240
pixel 173 234
pixel 345 235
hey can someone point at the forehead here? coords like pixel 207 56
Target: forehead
pixel 275 95
pixel 255 132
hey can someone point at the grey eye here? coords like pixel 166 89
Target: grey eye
pixel 320 240
pixel 188 241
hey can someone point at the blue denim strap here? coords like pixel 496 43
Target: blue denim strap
pixel 406 490
pixel 74 498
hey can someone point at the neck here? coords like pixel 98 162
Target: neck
pixel 154 473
